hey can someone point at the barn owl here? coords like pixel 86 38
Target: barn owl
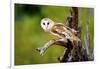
pixel 58 29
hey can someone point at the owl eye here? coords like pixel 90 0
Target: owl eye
pixel 43 23
pixel 48 23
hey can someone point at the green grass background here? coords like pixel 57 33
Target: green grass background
pixel 29 35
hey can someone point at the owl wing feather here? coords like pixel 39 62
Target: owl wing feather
pixel 62 31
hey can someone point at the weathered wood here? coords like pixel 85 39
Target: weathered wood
pixel 75 18
pixel 72 22
pixel 87 39
pixel 89 55
pixel 77 52
pixel 66 57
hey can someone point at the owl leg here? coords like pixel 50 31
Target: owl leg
pixel 44 48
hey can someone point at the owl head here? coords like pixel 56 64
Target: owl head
pixel 47 24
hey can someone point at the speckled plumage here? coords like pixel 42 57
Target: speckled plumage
pixel 58 29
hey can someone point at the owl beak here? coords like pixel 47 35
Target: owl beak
pixel 46 29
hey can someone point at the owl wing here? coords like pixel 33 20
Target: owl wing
pixel 72 30
pixel 62 31
pixel 58 29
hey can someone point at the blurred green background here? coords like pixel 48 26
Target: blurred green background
pixel 29 35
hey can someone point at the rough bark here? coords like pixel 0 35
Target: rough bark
pixel 77 52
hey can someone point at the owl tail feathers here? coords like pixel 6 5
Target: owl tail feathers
pixel 41 51
pixel 78 40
